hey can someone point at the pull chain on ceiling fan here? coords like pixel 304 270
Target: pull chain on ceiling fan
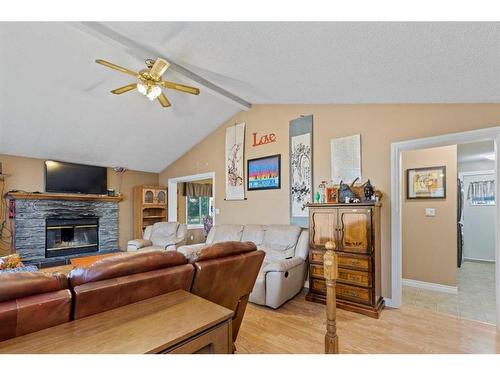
pixel 149 82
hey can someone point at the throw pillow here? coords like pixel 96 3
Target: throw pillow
pixel 10 261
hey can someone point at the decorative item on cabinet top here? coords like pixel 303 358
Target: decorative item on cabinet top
pixel 328 192
pixel 354 228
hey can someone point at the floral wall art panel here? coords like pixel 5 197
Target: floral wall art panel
pixel 301 169
pixel 235 142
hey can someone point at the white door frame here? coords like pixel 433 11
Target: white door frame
pixel 488 134
pixel 172 186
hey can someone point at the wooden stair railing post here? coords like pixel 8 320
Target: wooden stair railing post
pixel 330 269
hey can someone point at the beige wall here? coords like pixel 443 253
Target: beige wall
pixel 379 125
pixel 28 175
pixel 430 243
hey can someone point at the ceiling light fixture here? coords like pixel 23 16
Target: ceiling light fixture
pixel 149 91
pixel 490 156
pixel 150 83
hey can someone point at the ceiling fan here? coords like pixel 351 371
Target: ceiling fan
pixel 149 82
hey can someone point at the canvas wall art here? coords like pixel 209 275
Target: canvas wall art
pixel 346 159
pixel 301 169
pixel 426 183
pixel 264 173
pixel 235 143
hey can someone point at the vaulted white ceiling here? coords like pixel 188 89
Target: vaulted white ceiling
pixel 55 101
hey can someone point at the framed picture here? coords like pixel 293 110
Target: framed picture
pixel 264 173
pixel 426 183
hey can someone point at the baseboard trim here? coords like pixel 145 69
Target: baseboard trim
pixel 478 260
pixel 431 286
pixel 389 303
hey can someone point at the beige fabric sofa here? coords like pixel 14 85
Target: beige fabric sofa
pixel 284 270
pixel 160 236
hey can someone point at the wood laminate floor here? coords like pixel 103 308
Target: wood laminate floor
pixel 299 327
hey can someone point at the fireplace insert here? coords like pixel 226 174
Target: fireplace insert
pixel 71 236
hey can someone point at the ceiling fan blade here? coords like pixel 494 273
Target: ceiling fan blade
pixel 163 100
pixel 159 67
pixel 117 67
pixel 179 87
pixel 124 89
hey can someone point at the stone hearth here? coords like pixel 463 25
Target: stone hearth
pixel 32 213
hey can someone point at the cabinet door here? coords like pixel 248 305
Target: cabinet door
pixel 355 230
pixel 323 227
pixel 148 196
pixel 161 196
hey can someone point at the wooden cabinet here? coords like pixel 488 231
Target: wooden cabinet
pixel 150 206
pixel 355 229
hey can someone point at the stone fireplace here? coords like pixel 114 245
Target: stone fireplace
pixel 51 228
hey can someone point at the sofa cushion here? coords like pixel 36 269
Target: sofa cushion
pixel 125 264
pixel 253 233
pixel 164 233
pixel 220 250
pixel 24 284
pixel 280 240
pixel 10 261
pixel 228 232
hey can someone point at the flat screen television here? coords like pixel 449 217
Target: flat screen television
pixel 63 177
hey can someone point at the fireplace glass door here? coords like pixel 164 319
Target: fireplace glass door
pixel 71 236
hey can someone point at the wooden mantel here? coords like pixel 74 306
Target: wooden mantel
pixel 59 196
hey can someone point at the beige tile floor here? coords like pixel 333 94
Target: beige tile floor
pixel 475 299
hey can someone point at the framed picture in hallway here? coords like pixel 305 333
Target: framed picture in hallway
pixel 426 183
pixel 264 173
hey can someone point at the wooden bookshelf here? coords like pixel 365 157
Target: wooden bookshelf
pixel 150 207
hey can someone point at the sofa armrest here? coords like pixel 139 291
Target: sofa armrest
pixel 282 265
pixel 191 250
pixel 135 245
pixel 302 246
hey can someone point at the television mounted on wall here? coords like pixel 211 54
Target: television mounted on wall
pixel 61 177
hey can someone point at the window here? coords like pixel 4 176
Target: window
pixel 196 209
pixel 481 193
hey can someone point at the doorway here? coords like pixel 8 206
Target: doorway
pixel 397 189
pixel 193 204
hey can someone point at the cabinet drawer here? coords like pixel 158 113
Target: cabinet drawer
pixel 358 263
pixel 318 285
pixel 360 278
pixel 316 256
pixel 353 293
pixel 317 270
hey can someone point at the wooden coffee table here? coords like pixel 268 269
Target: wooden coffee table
pixel 87 261
pixel 77 262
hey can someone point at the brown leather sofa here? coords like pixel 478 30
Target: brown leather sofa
pixel 127 278
pixel 32 301
pixel 225 274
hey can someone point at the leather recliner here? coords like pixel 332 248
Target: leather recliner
pixel 127 278
pixel 160 236
pixel 225 274
pixel 32 301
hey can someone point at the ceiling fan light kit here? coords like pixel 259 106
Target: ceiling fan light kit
pixel 149 82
